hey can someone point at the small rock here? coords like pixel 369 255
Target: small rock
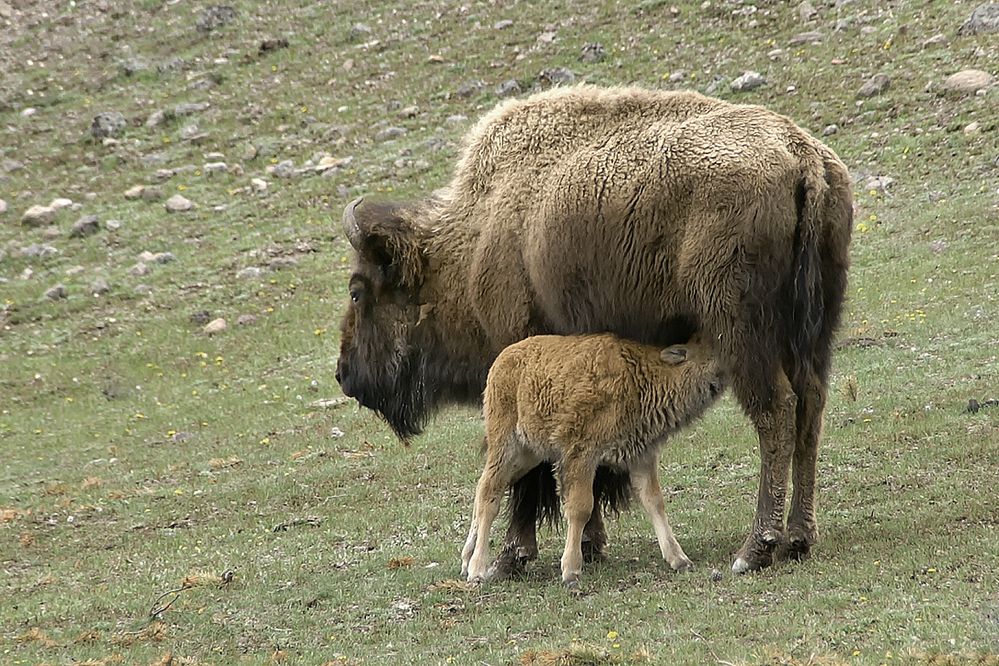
pixel 215 326
pixel 112 225
pixel 36 251
pixel 259 184
pixel 214 17
pixel 10 166
pixel 26 274
pixel 3 206
pixel 37 216
pixel 143 289
pixel 56 293
pixel 214 168
pixel 28 112
pixel 716 575
pixel 409 111
pixel 748 81
pixel 139 270
pixel 60 203
pixel 192 133
pixel 249 273
pixel 151 194
pixel 972 128
pixel 829 130
pixel 273 44
pixel 938 246
pixel 503 24
pixel 85 226
pixel 74 270
pixel 593 52
pixel 284 169
pixel 677 76
pixel 181 437
pixel 508 88
pixel 807 12
pixel 109 123
pixel 200 317
pixel 556 76
pixel 359 31
pixel 178 204
pixel 99 287
pixel 984 19
pixel 390 133
pixel 967 81
pixel 876 85
pixel 547 37
pixel 809 37
pixel 249 152
pixel 938 39
pixel 189 108
pixel 879 183
pixel 134 192
pixel 469 88
pixel 281 263
pixel 132 66
pixel 51 233
pixel 246 320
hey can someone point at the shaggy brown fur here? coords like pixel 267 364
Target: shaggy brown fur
pixel 581 402
pixel 644 213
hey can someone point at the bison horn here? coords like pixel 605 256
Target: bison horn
pixel 350 227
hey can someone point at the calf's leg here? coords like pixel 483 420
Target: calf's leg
pixel 645 481
pixel 577 483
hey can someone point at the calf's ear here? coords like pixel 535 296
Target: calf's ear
pixel 674 354
pixel 382 234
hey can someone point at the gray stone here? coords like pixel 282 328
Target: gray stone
pixel 938 39
pixel 85 226
pixel 829 130
pixel 807 12
pixel 37 251
pixel 593 52
pixel 503 24
pixel 390 133
pixel 132 66
pixel 809 37
pixel 151 194
pixel 3 206
pixel 246 320
pixel 57 292
pixel 189 108
pixel 178 204
pixel 215 326
pixel 875 85
pixel 359 31
pixel 508 88
pixel 99 287
pixel 409 111
pixel 134 192
pixel 163 258
pixel 249 273
pixel 10 166
pixel 214 17
pixel 259 184
pixel 968 81
pixel 879 183
pixel 156 118
pixel 107 124
pixel 214 168
pixel 139 270
pixel 74 270
pixel 984 19
pixel 37 216
pixel 456 119
pixel 143 289
pixel 748 81
pixel 192 132
pixel 281 263
pixel 556 76
pixel 973 128
pixel 469 88
pixel 284 169
pixel 112 225
pixel 200 317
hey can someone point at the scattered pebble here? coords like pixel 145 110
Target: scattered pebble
pixel 37 216
pixel 215 326
pixel 60 202
pixel 214 168
pixel 968 81
pixel 938 39
pixel 139 269
pixel 200 317
pixel 189 108
pixel 807 12
pixel 809 37
pixel 85 226
pixel 178 204
pixel 134 192
pixel 592 53
pixel 876 85
pixel 556 76
pixel 879 183
pixel 249 273
pixel 99 287
pixel 112 225
pixel 57 292
pixel 284 169
pixel 37 251
pixel 259 184
pixel 214 17
pixel 281 263
pixel 390 133
pixel 246 320
pixel 409 111
pixel 972 128
pixel 508 88
pixel 829 130
pixel 107 124
pixel 156 118
pixel 748 81
pixel 502 24
pixel 3 206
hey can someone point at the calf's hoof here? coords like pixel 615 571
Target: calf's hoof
pixel 682 566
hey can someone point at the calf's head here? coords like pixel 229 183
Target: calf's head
pixel 695 381
pixel 381 364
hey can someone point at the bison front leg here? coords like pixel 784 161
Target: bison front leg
pixel 774 418
pixel 529 497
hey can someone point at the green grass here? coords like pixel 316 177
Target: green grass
pixel 137 452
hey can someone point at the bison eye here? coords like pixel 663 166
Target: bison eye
pixel 355 295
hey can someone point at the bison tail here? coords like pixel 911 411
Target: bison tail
pixel 534 497
pixel 817 279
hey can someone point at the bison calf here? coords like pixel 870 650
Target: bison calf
pixel 581 402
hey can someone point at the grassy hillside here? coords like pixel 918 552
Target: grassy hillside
pixel 140 455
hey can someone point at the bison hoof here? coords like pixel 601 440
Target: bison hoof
pixel 755 555
pixel 798 549
pixel 572 587
pixel 511 562
pixel 593 551
pixel 682 566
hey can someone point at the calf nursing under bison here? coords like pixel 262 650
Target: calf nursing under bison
pixel 648 214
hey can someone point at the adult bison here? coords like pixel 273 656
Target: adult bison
pixel 649 214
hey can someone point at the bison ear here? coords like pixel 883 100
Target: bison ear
pixel 674 354
pixel 382 234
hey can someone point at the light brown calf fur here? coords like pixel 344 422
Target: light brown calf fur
pixel 582 402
